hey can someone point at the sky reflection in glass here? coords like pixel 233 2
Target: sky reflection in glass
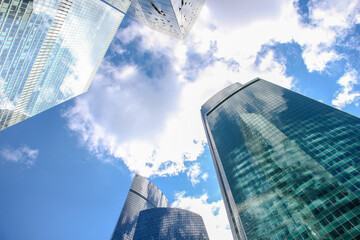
pixel 288 166
pixel 50 51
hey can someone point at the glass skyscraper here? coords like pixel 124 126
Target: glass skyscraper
pixel 146 214
pixel 173 17
pixel 142 195
pixel 170 223
pixel 119 5
pixel 287 165
pixel 49 52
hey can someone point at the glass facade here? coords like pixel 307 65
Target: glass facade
pixel 119 5
pixel 142 195
pixel 170 223
pixel 173 17
pixel 49 52
pixel 287 165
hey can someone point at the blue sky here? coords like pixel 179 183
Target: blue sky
pixel 65 173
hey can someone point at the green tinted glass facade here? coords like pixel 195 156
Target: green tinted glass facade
pixel 288 166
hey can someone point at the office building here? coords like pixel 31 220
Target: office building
pixel 146 214
pixel 119 5
pixel 169 223
pixel 142 195
pixel 50 51
pixel 173 17
pixel 287 165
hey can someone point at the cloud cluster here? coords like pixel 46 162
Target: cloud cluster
pixel 23 155
pixel 195 174
pixel 347 95
pixel 143 106
pixel 330 21
pixel 213 214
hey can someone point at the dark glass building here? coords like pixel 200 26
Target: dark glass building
pixel 170 223
pixel 142 195
pixel 287 165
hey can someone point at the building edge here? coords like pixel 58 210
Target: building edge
pixel 230 206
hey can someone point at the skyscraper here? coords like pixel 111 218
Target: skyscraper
pixel 173 17
pixel 146 214
pixel 170 223
pixel 119 5
pixel 288 166
pixel 49 52
pixel 142 195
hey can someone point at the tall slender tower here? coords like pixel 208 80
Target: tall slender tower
pixel 50 51
pixel 287 165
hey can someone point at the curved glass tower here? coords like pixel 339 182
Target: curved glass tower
pixel 287 165
pixel 170 223
pixel 142 195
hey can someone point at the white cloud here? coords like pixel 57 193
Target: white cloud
pixel 238 13
pixel 24 155
pixel 205 176
pixel 117 48
pixel 278 21
pixel 346 95
pixel 334 14
pixel 145 112
pixel 332 20
pixel 213 214
pixel 195 174
pixel 125 114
